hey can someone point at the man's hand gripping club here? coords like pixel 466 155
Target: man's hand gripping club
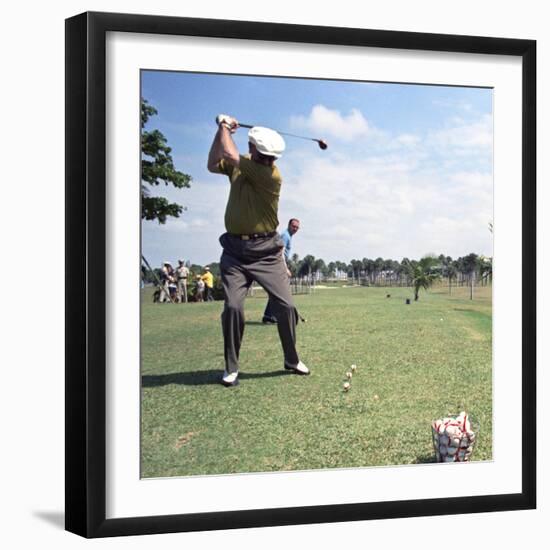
pixel 223 146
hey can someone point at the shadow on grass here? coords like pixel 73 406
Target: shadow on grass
pixel 259 323
pixel 428 458
pixel 201 378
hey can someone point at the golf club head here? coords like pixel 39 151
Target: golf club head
pixel 322 144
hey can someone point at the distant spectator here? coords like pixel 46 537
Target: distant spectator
pixel 208 279
pixel 173 289
pixel 199 289
pixel 182 273
pixel 167 276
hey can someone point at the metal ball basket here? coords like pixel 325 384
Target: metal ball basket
pixel 454 438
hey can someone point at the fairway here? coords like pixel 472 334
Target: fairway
pixel 415 363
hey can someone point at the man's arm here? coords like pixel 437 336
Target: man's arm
pixel 223 147
pixel 283 257
pixel 284 238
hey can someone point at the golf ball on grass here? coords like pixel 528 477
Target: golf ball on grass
pixel 354 368
pixel 347 386
pixel 348 375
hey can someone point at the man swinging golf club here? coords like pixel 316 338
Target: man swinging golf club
pixel 252 249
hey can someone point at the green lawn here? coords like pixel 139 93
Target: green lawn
pixel 415 362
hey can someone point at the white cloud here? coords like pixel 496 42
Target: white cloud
pixel 194 235
pixel 474 186
pixel 453 104
pixel 175 225
pixel 326 122
pixel 465 136
pixel 408 139
pixel 385 206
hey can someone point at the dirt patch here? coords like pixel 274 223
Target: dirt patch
pixel 184 439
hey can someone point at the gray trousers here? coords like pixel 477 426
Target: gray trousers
pixel 260 260
pixel 182 290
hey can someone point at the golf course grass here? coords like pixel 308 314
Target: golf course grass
pixel 415 363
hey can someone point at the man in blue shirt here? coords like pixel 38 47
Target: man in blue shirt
pixel 286 237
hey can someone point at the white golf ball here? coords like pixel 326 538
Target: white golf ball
pixel 347 386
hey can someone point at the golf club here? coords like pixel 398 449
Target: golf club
pixel 321 142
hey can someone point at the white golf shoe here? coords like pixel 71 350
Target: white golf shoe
pixel 300 368
pixel 230 378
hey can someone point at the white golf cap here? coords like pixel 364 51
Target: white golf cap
pixel 166 263
pixel 267 141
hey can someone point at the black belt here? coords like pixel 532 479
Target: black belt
pixel 254 235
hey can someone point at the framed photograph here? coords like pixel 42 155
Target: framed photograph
pixel 300 277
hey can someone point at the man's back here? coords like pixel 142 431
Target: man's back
pixel 253 198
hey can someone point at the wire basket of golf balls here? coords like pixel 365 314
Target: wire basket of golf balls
pixel 454 438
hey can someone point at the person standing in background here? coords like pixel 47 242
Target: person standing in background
pixel 166 278
pixel 208 279
pixel 182 273
pixel 286 237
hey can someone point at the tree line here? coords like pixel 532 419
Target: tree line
pixel 388 272
pixel 378 272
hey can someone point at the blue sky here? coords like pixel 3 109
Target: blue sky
pixel 408 170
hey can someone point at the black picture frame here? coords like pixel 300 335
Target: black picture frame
pixel 86 279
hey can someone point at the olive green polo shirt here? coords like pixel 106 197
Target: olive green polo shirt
pixel 254 196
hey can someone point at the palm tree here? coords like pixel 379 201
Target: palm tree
pixel 356 266
pixel 306 266
pixel 319 268
pixel 485 268
pixel 451 272
pixel 404 269
pixel 471 265
pixel 292 264
pixel 423 274
pixel 387 270
pixel 378 267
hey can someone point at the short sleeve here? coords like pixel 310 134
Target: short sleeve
pixel 225 167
